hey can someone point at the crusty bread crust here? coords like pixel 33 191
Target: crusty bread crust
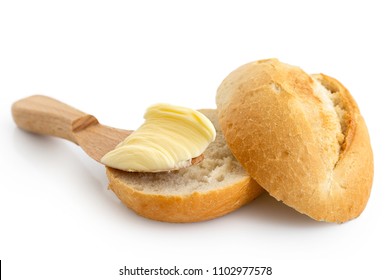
pixel 183 206
pixel 198 206
pixel 281 133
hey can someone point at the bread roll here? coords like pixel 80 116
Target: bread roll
pixel 300 136
pixel 209 189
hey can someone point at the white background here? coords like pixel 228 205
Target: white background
pixel 112 59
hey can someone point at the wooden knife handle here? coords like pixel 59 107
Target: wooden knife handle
pixel 45 115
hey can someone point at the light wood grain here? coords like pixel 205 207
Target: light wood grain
pixel 45 115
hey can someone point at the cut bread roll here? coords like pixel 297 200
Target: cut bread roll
pixel 212 188
pixel 300 136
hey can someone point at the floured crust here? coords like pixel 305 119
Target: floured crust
pixel 285 138
pixel 167 196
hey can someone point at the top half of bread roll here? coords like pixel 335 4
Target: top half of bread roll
pixel 300 136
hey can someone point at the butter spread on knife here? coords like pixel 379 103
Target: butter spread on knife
pixel 168 139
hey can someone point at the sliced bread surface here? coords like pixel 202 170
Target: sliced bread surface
pixel 212 188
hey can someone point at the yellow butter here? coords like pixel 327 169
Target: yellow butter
pixel 168 139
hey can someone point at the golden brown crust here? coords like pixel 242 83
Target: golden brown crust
pixel 186 205
pixel 279 131
pixel 198 206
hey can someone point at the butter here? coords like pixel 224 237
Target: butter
pixel 168 139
